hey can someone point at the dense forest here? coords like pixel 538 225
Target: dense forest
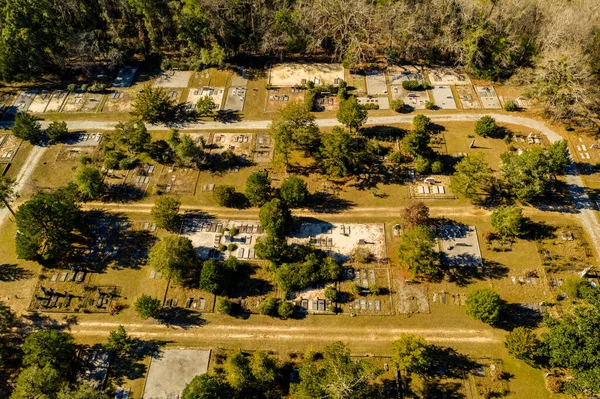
pixel 554 45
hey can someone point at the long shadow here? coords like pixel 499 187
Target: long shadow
pixel 13 272
pixel 465 275
pixel 538 230
pixel 517 315
pixel 130 366
pixel 35 321
pixel 434 388
pixel 448 363
pixel 246 285
pixel 227 116
pixel 180 317
pixel 327 203
pixel 123 193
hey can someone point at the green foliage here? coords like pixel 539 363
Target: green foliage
pixel 315 268
pixel 472 177
pixel 486 127
pixel 485 305
pixel 522 343
pixel 413 85
pixel 206 386
pixel 276 218
pixel 293 191
pixel 174 256
pixel 271 248
pixel 410 354
pixel 153 105
pixel 225 306
pixel 214 56
pixel 38 382
pixel 397 105
pixel 415 214
pixel 574 287
pixel 510 106
pixel 217 277
pixel 187 153
pixel 285 310
pixel 165 213
pixel 258 188
pixel 331 294
pixel 119 343
pixel 422 165
pixel 147 306
pixel 437 167
pixel 27 127
pixel 429 105
pixel 225 196
pixel 57 131
pixel 206 106
pixel 352 114
pixel 238 373
pixel 422 123
pixel 416 251
pixel 337 156
pixel 416 143
pixel 89 182
pixel 508 220
pixel 268 306
pixel 84 391
pixel 294 128
pixel 49 348
pixel 132 136
pixel 46 226
pixel 7 193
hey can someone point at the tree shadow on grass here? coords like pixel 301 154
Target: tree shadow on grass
pixel 327 203
pixel 180 317
pixel 465 275
pixel 13 272
pixel 515 315
pixel 130 366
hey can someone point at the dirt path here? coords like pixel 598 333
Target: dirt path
pixel 24 174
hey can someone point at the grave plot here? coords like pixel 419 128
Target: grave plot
pixel 447 298
pixel 78 101
pixel 141 177
pixel 242 145
pixel 467 97
pixel 527 287
pixel 460 246
pixel 587 149
pixel 253 285
pixel 6 101
pixel 340 240
pixel 236 96
pixel 312 299
pixel 374 290
pixel 398 74
pixel 125 77
pixel 487 378
pixel 22 102
pixel 61 291
pixel 411 298
pixel 114 181
pixel 240 78
pixel 71 154
pixel 216 93
pixel 356 84
pixel 487 96
pixel 567 250
pixel 192 98
pixel 414 99
pixel 175 94
pixel 376 83
pixel 326 102
pixel 442 97
pixel 173 79
pixel 93 367
pixel 56 101
pixel 522 141
pixel 432 187
pixel 278 98
pixel 208 235
pixel 264 149
pixel 200 79
pixel 40 102
pixel 291 74
pixel 189 298
pixel 382 102
pixel 178 181
pixel 92 102
pixel 119 101
pixel 9 145
pixel 201 139
pixel 83 139
pixel 447 76
pixel 170 372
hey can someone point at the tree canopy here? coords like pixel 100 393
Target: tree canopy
pixel 415 214
pixel 294 128
pixel 416 251
pixel 49 348
pixel 472 177
pixel 352 114
pixel 153 105
pixel 258 188
pixel 293 191
pixel 165 213
pixel 508 220
pixel 174 256
pixel 27 127
pixel 275 218
pixel 485 305
pixel 89 182
pixel 147 306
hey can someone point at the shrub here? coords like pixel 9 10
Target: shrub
pixel 84 87
pixel 331 294
pixel 72 87
pixel 397 105
pixel 268 306
pixel 231 247
pixel 485 305
pixel 354 289
pixel 510 106
pixel 128 163
pixel 222 248
pixel 374 289
pixel 147 306
pixel 486 127
pixel 371 106
pixel 361 255
pixel 285 310
pixel 412 85
pixel 234 231
pixel 429 104
pixel 225 306
pixel 437 167
pixel 422 165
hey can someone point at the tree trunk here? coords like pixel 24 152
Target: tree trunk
pixel 7 205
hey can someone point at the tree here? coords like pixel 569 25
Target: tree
pixel 416 143
pixel 258 188
pixel 206 386
pixel 268 306
pixel 352 114
pixel 84 391
pixel 275 218
pixel 238 373
pixel 410 354
pixel 508 220
pixel 293 191
pixel 415 214
pixel 206 106
pixel 422 123
pixel 473 177
pixel 225 306
pixel 331 294
pixel 336 376
pixel 216 277
pixel 174 256
pixel 57 131
pixel 147 306
pixel 486 127
pixel 264 369
pixel 416 251
pixel 271 248
pixel 133 135
pixel 27 127
pixel 89 182
pixel 7 193
pixel 337 157
pixel 37 382
pixel 522 343
pixel 187 153
pixel 397 105
pixel 575 287
pixel 485 305
pixel 119 343
pixel 285 310
pixel 294 127
pixel 46 226
pixel 225 196
pixel 153 105
pixel 165 213
pixel 49 348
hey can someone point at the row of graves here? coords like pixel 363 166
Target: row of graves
pixel 9 145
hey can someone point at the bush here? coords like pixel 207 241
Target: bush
pixel 225 306
pixel 374 289
pixel 354 289
pixel 128 163
pixel 147 306
pixel 222 248
pixel 97 88
pixel 412 85
pixel 429 104
pixel 510 106
pixel 361 255
pixel 225 196
pixel 231 247
pixel 309 99
pixel 331 294
pixel 437 167
pixel 397 105
pixel 285 310
pixel 268 306
pixel 371 106
pixel 84 87
pixel 85 160
pixel 485 305
pixel 422 165
pixel 234 231
pixel 486 127
pixel 72 87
